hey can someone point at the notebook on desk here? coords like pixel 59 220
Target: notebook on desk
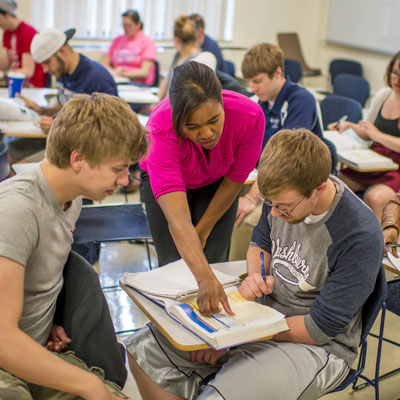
pixel 252 321
pixel 366 159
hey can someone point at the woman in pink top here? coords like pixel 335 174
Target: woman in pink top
pixel 133 54
pixel 204 143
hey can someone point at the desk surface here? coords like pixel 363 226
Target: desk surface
pixel 179 336
pixel 38 95
pixel 137 95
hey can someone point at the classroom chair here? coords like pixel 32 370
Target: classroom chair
pixel 374 304
pixel 4 164
pixel 353 86
pixel 290 44
pixel 230 68
pixel 334 107
pixel 113 223
pixel 392 305
pixel 343 66
pixel 83 312
pixel 293 69
pixel 156 81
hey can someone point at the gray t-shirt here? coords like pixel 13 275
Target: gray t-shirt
pixel 36 233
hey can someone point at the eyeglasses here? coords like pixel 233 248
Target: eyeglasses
pixel 395 74
pixel 283 212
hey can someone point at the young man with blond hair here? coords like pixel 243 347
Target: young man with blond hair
pixel 286 105
pixel 322 249
pixel 91 143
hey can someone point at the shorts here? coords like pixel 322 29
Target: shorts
pixel 13 388
pixel 252 371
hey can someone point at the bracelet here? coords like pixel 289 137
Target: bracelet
pixel 248 197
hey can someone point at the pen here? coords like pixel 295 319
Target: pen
pixel 342 119
pixel 262 269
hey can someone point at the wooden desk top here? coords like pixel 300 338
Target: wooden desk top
pixel 179 337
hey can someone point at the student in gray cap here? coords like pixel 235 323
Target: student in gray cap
pixel 74 73
pixel 17 38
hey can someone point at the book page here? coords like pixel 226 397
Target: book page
pixel 246 313
pixel 394 260
pixel 348 140
pixel 174 280
pixel 365 158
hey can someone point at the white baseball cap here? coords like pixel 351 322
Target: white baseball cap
pixel 9 6
pixel 48 42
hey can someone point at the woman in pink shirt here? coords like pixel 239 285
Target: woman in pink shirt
pixel 204 143
pixel 133 54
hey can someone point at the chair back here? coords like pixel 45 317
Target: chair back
pixel 290 44
pixel 156 81
pixel 4 164
pixel 343 66
pixel 293 69
pixel 353 86
pixel 373 304
pixel 230 68
pixel 393 296
pixel 334 107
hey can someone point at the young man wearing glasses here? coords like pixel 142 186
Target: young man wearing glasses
pixel 322 249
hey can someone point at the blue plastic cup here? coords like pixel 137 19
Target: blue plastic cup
pixel 15 82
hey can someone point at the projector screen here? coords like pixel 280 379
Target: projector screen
pixel 367 24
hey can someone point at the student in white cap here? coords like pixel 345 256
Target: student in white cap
pixel 74 73
pixel 17 38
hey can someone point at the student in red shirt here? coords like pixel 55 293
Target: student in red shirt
pixel 17 38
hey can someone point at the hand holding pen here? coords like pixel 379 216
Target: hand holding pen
pixel 263 270
pixel 393 247
pixel 337 125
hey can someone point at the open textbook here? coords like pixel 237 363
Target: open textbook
pixel 366 159
pixel 252 321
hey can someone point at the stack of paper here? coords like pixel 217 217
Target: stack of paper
pixel 348 140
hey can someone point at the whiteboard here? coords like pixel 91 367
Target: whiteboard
pixel 367 24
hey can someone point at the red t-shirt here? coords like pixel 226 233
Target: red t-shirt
pixel 17 43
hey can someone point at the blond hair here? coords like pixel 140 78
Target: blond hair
pixel 184 29
pixel 293 159
pixel 101 127
pixel 262 58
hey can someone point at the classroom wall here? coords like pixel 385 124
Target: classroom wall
pixel 260 20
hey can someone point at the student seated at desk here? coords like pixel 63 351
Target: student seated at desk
pixel 132 54
pixel 17 37
pixel 206 43
pixel 322 249
pixel 91 143
pixel 187 49
pixel 204 143
pixel 75 74
pixel 286 105
pixel 382 126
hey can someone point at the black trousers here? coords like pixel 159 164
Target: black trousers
pixel 217 246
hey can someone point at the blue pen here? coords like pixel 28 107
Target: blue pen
pixel 262 270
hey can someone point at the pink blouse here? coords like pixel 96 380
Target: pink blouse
pixel 175 165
